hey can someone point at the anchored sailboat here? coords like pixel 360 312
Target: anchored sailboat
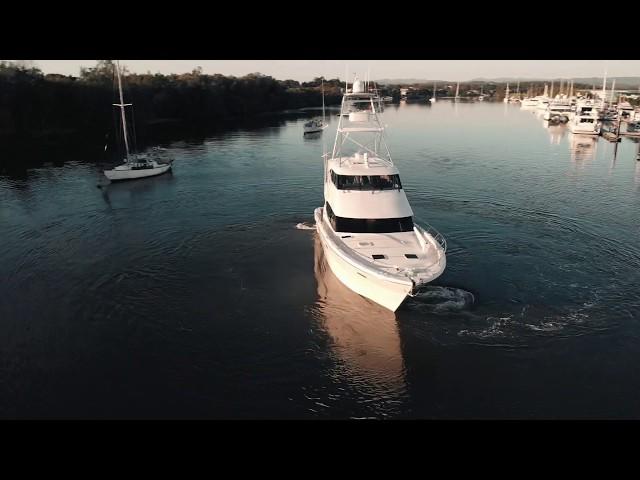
pixel 136 165
pixel 366 225
pixel 317 125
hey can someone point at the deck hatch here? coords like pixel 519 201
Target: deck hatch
pixel 377 256
pixel 411 255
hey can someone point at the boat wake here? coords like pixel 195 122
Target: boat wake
pixel 305 226
pixel 442 299
pixel 519 330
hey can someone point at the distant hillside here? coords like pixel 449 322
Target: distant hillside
pixel 408 81
pixel 621 82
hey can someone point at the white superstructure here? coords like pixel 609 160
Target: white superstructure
pixel 585 120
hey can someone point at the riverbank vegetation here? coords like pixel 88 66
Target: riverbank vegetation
pixel 33 104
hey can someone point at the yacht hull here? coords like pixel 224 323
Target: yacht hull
pixel 583 131
pixel 116 175
pixel 389 293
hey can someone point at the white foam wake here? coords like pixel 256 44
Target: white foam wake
pixel 444 299
pixel 305 226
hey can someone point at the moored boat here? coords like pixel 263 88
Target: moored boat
pixel 136 165
pixel 585 120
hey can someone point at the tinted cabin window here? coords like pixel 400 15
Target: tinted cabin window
pixel 369 225
pixel 366 182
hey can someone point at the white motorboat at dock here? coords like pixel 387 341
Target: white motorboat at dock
pixel 585 120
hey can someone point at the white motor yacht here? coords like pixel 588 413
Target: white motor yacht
pixel 625 110
pixel 366 225
pixel 585 119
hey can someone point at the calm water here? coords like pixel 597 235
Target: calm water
pixel 198 294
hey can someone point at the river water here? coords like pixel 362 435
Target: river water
pixel 204 293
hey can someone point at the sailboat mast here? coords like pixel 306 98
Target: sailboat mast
pixel 571 90
pixel 122 105
pixel 604 88
pixel 457 88
pixel 613 89
pixel 323 101
pixel 346 78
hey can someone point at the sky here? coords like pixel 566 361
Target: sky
pixel 305 70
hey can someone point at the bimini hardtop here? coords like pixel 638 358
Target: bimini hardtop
pixel 366 225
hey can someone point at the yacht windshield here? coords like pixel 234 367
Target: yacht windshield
pixel 369 225
pixel 366 182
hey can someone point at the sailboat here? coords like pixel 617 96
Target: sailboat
pixel 457 90
pixel 366 225
pixel 604 91
pixel 515 98
pixel 544 100
pixel 317 125
pixel 136 165
pixel 530 102
pixel 506 95
pixel 433 99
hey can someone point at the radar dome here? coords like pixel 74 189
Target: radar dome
pixel 357 86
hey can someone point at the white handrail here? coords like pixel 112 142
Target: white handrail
pixel 431 230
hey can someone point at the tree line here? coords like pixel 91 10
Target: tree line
pixel 34 105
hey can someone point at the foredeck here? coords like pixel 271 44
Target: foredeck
pixel 392 251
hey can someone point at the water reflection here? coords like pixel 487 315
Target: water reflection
pixel 312 136
pixel 582 148
pixel 131 189
pixel 556 131
pixel 365 336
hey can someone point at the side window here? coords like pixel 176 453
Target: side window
pixel 332 217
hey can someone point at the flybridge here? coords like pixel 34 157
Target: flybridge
pixel 359 114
